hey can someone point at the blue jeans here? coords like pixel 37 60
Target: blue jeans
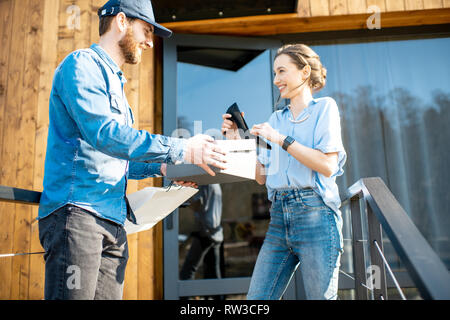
pixel 85 256
pixel 303 232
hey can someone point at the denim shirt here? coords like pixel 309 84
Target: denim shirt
pixel 320 130
pixel 92 149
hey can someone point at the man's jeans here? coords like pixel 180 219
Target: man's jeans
pixel 85 256
pixel 303 232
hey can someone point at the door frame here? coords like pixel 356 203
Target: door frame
pixel 173 287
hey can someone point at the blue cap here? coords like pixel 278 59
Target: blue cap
pixel 140 9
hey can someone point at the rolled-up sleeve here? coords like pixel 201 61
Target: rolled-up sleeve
pixel 142 170
pixel 327 134
pixel 84 94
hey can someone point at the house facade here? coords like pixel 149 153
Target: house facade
pixel 388 71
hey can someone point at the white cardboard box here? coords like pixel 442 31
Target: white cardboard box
pixel 241 165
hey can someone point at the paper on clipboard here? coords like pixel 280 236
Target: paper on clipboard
pixel 150 205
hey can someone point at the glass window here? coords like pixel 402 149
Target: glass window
pixel 394 99
pixel 204 93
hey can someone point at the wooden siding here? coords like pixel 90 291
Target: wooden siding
pixel 35 38
pixel 324 15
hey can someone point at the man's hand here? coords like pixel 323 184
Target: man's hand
pixel 203 151
pixel 180 183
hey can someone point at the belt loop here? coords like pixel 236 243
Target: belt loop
pixel 297 195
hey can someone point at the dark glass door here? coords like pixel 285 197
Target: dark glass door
pixel 203 76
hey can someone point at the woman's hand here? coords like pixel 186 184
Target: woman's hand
pixel 229 128
pixel 266 131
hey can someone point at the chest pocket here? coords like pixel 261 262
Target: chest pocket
pixel 130 113
pixel 117 108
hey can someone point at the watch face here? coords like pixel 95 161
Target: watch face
pixel 287 142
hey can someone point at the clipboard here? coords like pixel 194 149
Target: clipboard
pixel 151 205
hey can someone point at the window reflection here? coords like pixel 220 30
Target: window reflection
pixel 394 99
pixel 204 94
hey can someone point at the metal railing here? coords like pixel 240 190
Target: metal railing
pixel 16 195
pixel 385 214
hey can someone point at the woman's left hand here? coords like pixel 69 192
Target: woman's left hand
pixel 266 131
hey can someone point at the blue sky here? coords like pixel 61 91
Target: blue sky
pixel 205 93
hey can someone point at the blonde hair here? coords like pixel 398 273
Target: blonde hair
pixel 302 55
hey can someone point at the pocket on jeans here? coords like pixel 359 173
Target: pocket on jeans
pixel 312 201
pixel 47 230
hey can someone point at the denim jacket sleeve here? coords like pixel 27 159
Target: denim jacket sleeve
pixel 82 88
pixel 142 170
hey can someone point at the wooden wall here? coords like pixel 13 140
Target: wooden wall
pixel 323 15
pixel 35 38
pixel 312 8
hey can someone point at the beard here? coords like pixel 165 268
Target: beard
pixel 130 48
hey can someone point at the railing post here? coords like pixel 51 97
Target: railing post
pixel 379 277
pixel 359 265
pixel 426 269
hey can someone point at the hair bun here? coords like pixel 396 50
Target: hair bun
pixel 323 70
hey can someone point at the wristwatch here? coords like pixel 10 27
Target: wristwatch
pixel 287 142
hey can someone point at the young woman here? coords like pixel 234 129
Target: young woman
pixel 307 154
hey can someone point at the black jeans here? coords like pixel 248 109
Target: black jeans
pixel 200 247
pixel 85 256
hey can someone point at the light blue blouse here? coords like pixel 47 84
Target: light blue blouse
pixel 321 130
